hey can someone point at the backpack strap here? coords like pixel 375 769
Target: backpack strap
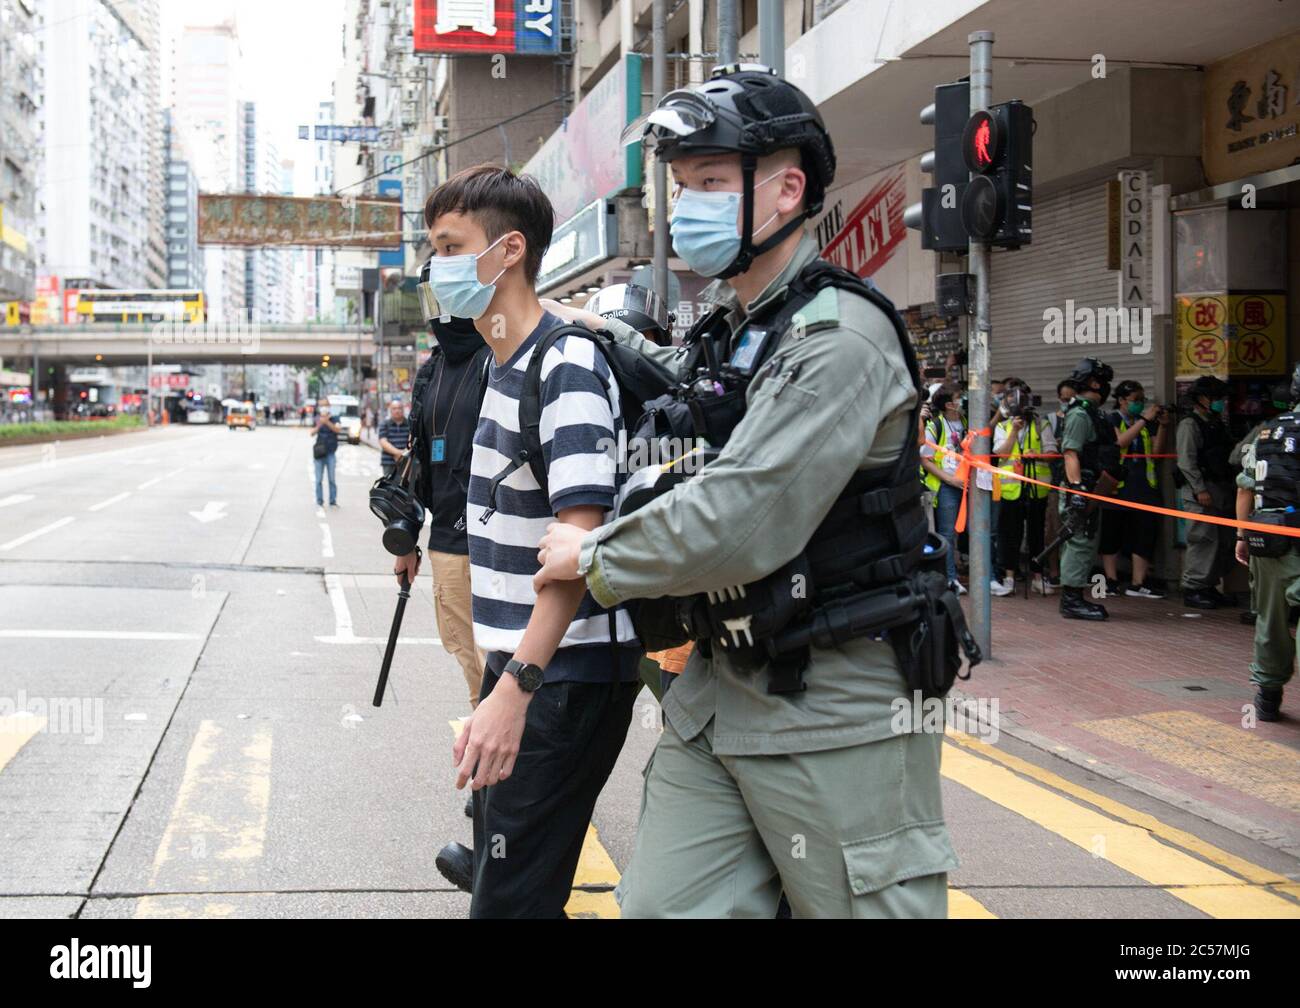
pixel 530 414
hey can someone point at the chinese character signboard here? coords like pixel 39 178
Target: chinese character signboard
pixel 1231 335
pixel 1252 111
pixel 530 27
pixel 241 219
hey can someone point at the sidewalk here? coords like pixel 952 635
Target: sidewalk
pixel 1154 697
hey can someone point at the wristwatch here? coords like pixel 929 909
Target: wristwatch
pixel 528 676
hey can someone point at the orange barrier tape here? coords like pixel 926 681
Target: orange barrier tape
pixel 968 460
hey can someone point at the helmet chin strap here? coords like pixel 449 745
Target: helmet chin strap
pixel 748 250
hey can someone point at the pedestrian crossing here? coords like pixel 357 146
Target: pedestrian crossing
pixel 223 800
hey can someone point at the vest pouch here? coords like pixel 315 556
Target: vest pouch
pixel 658 622
pixel 930 651
pixel 1261 544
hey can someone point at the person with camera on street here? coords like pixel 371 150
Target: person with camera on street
pixel 1022 431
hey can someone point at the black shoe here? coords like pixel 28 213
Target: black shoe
pixel 1075 606
pixel 469 807
pixel 1268 703
pixel 456 864
pixel 1225 601
pixel 1248 617
pixel 1112 588
pixel 1199 598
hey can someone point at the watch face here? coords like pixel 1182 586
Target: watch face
pixel 529 676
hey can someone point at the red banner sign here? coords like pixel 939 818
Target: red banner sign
pixel 873 230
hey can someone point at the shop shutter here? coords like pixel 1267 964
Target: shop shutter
pixel 1067 259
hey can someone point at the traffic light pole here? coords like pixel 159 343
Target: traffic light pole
pixel 982 562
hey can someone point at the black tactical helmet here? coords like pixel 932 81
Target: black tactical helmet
pixel 1090 369
pixel 638 307
pixel 745 109
pixel 1208 386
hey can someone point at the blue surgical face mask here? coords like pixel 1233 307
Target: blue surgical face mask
pixel 703 227
pixel 455 283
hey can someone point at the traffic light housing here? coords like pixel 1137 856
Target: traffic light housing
pixel 938 215
pixel 997 146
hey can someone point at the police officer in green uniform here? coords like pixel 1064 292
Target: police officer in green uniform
pixel 786 760
pixel 1091 456
pixel 1268 491
pixel 1205 487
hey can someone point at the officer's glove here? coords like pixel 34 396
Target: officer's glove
pixel 1075 501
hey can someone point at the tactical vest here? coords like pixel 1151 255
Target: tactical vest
pixel 1277 464
pixel 873 540
pixel 1277 485
pixel 1216 446
pixel 1101 453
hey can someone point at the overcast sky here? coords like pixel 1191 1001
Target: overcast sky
pixel 291 50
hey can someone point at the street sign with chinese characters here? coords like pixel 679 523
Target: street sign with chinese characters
pixel 1252 111
pixel 1231 335
pixel 239 219
pixel 524 27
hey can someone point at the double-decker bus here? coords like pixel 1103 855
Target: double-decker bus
pixel 140 306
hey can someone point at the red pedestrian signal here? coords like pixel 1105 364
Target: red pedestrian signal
pixel 980 142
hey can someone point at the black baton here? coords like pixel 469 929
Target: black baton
pixel 402 596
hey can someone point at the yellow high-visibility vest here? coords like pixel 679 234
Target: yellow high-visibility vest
pixel 940 437
pixel 1144 437
pixel 1037 469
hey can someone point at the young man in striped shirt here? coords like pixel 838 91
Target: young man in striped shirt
pixel 562 672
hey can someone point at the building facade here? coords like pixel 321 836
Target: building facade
pixel 184 257
pixel 101 192
pixel 21 151
pixel 207 114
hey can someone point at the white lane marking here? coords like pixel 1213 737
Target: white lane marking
pixel 112 500
pixel 152 635
pixel 64 460
pixel 212 511
pixel 15 499
pixel 326 541
pixel 339 602
pixel 158 479
pixel 39 532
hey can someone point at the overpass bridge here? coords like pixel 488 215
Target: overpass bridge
pixel 109 344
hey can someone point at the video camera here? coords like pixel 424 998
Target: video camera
pixel 1020 402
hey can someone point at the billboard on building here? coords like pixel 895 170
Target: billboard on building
pixel 522 27
pixel 337 221
pixel 583 161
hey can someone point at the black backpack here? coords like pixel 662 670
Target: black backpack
pixel 639 379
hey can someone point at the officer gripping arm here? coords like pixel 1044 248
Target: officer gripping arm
pixel 753 507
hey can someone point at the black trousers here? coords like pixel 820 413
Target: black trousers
pixel 529 829
pixel 1017 519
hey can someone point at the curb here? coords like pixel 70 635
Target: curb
pixel 1243 827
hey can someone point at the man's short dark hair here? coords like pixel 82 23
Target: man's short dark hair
pixel 500 201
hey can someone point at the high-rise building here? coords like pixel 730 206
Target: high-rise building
pixel 142 17
pixel 207 114
pixel 184 257
pixel 265 294
pixel 21 152
pixel 102 191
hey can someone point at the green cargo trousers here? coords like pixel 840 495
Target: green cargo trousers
pixel 1079 555
pixel 852 832
pixel 1277 588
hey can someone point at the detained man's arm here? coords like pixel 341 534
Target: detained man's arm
pixel 489 743
pixel 749 511
pixel 1245 505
